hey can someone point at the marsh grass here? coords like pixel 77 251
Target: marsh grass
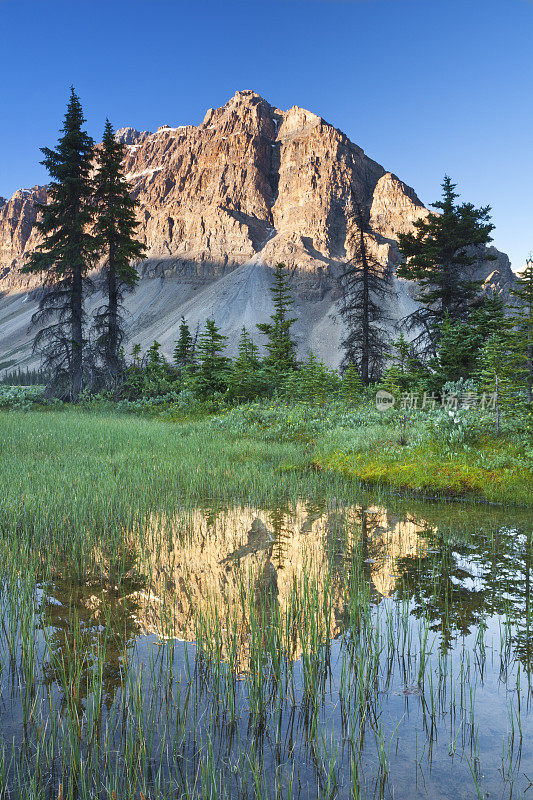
pixel 493 469
pixel 432 453
pixel 126 674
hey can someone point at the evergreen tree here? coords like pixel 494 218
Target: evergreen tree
pixel 247 379
pixel 403 370
pixel 67 251
pixel 489 316
pixel 314 381
pixel 115 229
pixel 497 370
pixel 457 350
pixel 213 366
pixel 460 342
pixel 184 350
pixel 365 285
pixel 149 376
pixel 154 357
pixel 522 293
pixel 26 377
pixel 437 255
pixel 136 355
pixel 281 349
pixel 351 384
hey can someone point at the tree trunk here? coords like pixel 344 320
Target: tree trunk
pixel 112 332
pixel 365 344
pixel 76 318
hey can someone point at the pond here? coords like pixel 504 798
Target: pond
pixel 332 650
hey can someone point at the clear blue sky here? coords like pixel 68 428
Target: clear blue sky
pixel 424 86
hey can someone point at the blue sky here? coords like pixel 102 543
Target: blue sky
pixel 424 86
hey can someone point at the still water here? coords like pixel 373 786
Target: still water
pixel 309 651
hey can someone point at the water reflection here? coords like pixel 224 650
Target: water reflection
pixel 205 556
pixel 453 572
pixel 218 558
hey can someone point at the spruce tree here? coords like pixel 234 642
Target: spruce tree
pixel 460 342
pixel 365 285
pixel 115 229
pixel 184 350
pixel 489 316
pixel 136 355
pixel 437 255
pixel 401 373
pixel 497 370
pixel 213 365
pixel 149 376
pixel 522 294
pixel 281 349
pixel 457 350
pixel 313 382
pixel 247 379
pixel 65 254
pixel 154 358
pixel 351 384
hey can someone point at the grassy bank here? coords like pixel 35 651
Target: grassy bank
pixel 437 455
pixel 75 468
pixel 74 464
pixel 495 470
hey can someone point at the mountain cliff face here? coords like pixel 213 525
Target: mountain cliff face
pixel 219 205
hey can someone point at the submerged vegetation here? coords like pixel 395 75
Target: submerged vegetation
pixel 191 610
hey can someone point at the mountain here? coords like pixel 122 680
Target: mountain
pixel 219 204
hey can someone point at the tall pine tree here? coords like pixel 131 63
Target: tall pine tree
pixel 65 254
pixel 115 229
pixel 365 285
pixel 438 255
pixel 281 349
pixel 522 293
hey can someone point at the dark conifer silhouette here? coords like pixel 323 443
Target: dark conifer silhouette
pixel 115 229
pixel 437 255
pixel 65 254
pixel 365 285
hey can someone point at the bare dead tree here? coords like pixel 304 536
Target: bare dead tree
pixel 365 285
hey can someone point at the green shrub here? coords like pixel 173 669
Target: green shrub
pixel 21 397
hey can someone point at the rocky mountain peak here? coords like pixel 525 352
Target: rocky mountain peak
pixel 221 202
pixel 130 136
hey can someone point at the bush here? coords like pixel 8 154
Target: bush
pixel 21 397
pixel 313 382
pixel 283 421
pixel 174 402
